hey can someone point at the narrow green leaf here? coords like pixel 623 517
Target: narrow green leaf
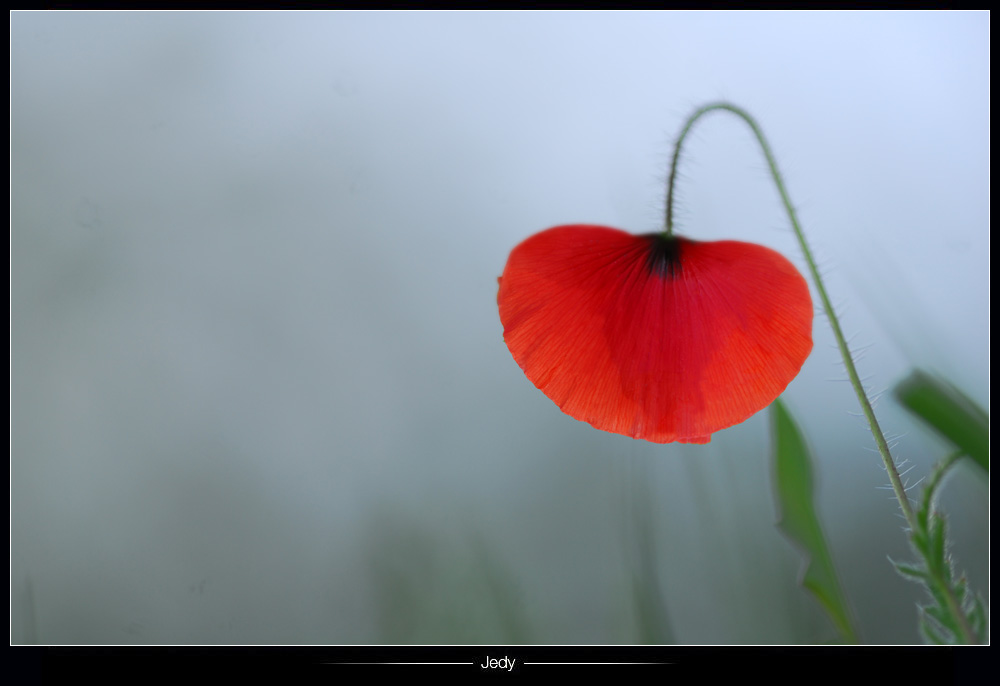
pixel 911 571
pixel 977 617
pixel 952 413
pixel 923 514
pixel 935 558
pixel 931 632
pixel 792 465
pixel 943 618
pixel 930 490
pixel 961 590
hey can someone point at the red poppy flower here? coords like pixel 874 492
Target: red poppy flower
pixel 654 337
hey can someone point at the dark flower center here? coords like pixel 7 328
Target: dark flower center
pixel 664 255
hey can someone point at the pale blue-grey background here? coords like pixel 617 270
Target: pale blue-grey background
pixel 259 392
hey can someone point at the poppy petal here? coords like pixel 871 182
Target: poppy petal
pixel 664 339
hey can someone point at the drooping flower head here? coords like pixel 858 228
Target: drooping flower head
pixel 655 337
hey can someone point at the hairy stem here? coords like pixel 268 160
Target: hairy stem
pixel 941 577
pixel 852 372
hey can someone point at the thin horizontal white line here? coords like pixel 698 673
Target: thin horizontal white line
pixel 597 663
pixel 398 663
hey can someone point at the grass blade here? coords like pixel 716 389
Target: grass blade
pixel 792 465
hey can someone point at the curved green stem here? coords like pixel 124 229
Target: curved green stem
pixel 852 372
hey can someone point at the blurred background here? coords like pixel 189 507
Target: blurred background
pixel 259 390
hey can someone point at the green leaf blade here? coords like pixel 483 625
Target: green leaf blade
pixel 792 468
pixel 950 412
